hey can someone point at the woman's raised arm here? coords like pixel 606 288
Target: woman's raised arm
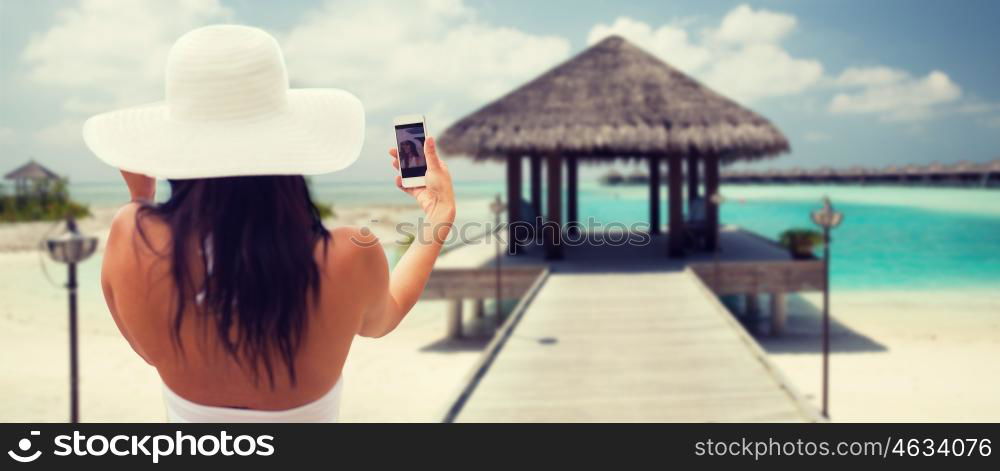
pixel 437 199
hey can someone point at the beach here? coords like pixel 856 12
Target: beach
pixel 915 345
pixel 409 375
pixel 897 355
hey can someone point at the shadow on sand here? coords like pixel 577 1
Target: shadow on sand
pixel 476 334
pixel 804 330
pixel 468 343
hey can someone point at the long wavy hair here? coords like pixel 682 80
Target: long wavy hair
pixel 255 239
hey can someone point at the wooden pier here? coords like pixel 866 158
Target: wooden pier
pixel 625 334
pixel 964 173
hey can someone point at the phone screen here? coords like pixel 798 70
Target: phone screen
pixel 410 146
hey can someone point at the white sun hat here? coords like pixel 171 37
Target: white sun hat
pixel 229 112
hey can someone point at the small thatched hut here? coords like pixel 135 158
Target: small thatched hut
pixel 615 101
pixel 31 175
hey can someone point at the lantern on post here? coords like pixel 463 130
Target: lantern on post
pixel 72 247
pixel 827 218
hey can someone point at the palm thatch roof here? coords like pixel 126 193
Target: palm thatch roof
pixel 614 100
pixel 31 171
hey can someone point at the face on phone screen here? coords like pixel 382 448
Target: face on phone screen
pixel 410 145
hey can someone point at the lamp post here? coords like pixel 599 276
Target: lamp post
pixel 71 248
pixel 827 218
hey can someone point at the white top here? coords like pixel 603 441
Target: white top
pixel 324 409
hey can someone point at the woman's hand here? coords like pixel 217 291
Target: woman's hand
pixel 437 197
pixel 141 187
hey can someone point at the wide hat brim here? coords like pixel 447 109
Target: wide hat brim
pixel 320 131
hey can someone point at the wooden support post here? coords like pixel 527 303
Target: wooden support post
pixel 513 200
pixel 479 308
pixel 778 313
pixel 676 213
pixel 693 179
pixel 536 186
pixel 654 194
pixel 553 218
pixel 572 194
pixel 752 303
pixel 454 318
pixel 711 210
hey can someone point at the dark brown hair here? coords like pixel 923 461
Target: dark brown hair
pixel 256 238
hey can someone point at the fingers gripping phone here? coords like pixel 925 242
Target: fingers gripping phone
pixel 410 136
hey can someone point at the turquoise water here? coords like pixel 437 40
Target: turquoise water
pixel 891 237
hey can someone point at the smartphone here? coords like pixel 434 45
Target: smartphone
pixel 410 136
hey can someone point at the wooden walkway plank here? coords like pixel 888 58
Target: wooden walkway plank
pixel 628 347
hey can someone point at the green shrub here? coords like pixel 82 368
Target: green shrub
pixel 800 241
pixel 37 208
pixel 325 210
pixel 791 236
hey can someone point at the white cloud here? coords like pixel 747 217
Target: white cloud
pixel 744 25
pixel 113 52
pixel 434 57
pixel 671 43
pixel 729 57
pixel 894 95
pixel 868 76
pixel 425 56
pixel 742 75
pixel 6 134
pixel 411 55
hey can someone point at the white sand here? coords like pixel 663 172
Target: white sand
pixel 899 356
pixel 29 235
pixel 409 375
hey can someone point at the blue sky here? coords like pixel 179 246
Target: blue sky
pixel 849 82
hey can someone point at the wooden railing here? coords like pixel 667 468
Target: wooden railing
pixel 761 277
pixel 459 284
pixel 776 278
pixel 479 283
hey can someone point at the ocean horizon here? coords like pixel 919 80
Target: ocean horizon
pixel 892 237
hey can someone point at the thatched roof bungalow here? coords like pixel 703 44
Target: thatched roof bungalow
pixel 616 101
pixel 31 173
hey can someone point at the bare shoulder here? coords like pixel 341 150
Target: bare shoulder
pixel 354 268
pixel 132 232
pixel 355 249
pixel 124 220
